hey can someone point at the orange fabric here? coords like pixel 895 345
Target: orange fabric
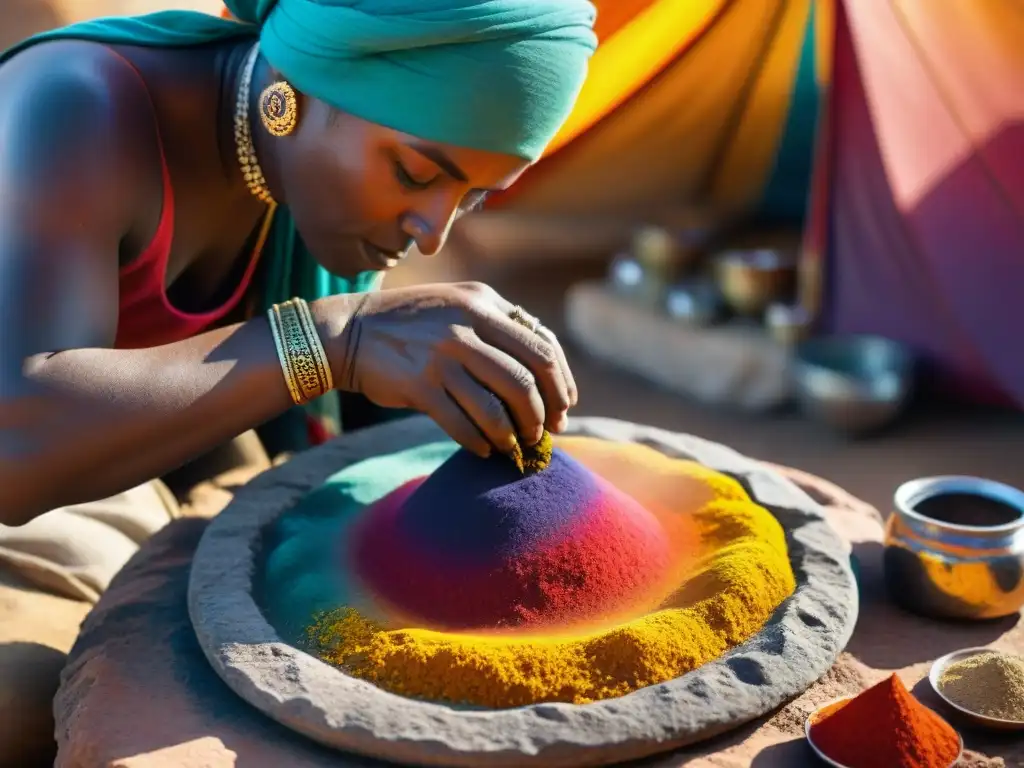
pixel 614 15
pixel 667 143
pixel 627 60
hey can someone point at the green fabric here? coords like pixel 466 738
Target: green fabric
pixel 304 570
pixel 785 196
pixel 418 66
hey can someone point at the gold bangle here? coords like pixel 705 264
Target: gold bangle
pixel 310 366
pixel 323 365
pixel 306 360
pixel 274 319
pixel 298 352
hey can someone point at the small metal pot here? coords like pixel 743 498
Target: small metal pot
pixel 856 385
pixel 696 303
pixel 750 281
pixel 630 279
pixel 954 571
pixel 788 324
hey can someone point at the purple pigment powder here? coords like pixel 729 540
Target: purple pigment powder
pixel 476 546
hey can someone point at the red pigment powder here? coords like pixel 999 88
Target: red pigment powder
pixel 885 726
pixel 609 560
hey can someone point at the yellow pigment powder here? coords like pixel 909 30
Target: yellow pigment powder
pixel 740 576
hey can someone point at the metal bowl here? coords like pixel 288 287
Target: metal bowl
pixel 630 279
pixel 855 384
pixel 751 280
pixel 811 718
pixel 695 303
pixel 935 675
pixel 952 571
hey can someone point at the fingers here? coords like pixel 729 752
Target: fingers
pixel 482 406
pixel 451 418
pixel 540 357
pixel 570 382
pixel 492 371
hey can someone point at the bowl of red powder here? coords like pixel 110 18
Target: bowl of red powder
pixel 882 726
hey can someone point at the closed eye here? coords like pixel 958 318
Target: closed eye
pixel 407 180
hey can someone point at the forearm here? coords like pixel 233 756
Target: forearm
pixel 88 423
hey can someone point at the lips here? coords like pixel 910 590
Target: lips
pixel 380 258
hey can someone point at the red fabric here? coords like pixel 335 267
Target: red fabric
pixel 146 317
pixel 316 432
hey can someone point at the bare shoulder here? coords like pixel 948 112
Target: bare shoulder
pixel 73 169
pixel 70 122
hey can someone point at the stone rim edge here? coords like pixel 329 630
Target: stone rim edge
pixel 244 649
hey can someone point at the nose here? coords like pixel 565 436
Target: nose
pixel 430 231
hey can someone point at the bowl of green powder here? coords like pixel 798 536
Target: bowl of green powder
pixel 986 686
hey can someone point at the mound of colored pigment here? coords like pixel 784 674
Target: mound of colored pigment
pixel 727 573
pixel 728 570
pixel 479 546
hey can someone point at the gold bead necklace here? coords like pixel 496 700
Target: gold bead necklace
pixel 251 171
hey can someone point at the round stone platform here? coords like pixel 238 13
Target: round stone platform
pixel 793 650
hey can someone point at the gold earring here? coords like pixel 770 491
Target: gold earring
pixel 279 108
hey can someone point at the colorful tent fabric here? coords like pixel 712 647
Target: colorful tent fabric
pixel 693 101
pixel 915 226
pixel 917 220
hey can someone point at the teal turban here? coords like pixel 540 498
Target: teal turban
pixel 494 75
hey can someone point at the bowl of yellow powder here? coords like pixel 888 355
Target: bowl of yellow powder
pixel 984 685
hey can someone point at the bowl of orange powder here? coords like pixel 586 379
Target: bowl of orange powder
pixel 882 726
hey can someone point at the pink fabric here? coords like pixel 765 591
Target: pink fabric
pixel 925 216
pixel 146 317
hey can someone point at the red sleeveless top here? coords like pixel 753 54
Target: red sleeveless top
pixel 146 317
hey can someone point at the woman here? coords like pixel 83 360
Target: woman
pixel 165 177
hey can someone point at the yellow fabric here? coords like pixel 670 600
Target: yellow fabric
pixel 665 145
pixel 634 54
pixel 824 39
pixel 750 155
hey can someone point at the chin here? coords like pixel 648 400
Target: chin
pixel 342 261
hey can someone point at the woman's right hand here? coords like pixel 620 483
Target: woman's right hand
pixel 453 352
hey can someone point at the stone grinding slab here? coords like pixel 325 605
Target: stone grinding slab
pixel 793 650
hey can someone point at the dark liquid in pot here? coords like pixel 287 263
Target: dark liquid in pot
pixel 967 509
